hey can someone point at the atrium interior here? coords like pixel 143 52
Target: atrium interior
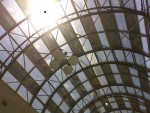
pixel 74 56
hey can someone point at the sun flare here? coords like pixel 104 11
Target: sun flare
pixel 44 12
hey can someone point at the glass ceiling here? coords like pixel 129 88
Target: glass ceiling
pixel 110 38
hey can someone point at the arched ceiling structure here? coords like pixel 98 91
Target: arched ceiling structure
pixel 110 38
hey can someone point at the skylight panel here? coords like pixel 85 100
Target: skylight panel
pixel 58 36
pixel 120 19
pixel 133 71
pixel 90 4
pixel 114 68
pixel 42 96
pixel 111 99
pixel 125 40
pixel 139 5
pixel 4 54
pixel 54 81
pixel 68 85
pixel 37 76
pixel 101 56
pixel 129 4
pixel 127 104
pixel 14 10
pixel 147 95
pixel 82 76
pixel 78 28
pixel 98 70
pixel 102 80
pixel 36 104
pixel 87 111
pixel 41 47
pixel 57 99
pixel 129 56
pixel 118 78
pixel 107 90
pixel 139 58
pixel 86 44
pixel 24 93
pixel 145 44
pixel 18 36
pixel 120 55
pixel 109 55
pixel 92 59
pixel 8 43
pixel 122 89
pixel 2 31
pixel 97 22
pixel 67 6
pixel 136 81
pixel 64 107
pixel 84 61
pixel 103 40
pixel 75 95
pixel 46 87
pixel 130 90
pixel 102 109
pixel 115 89
pixel 114 105
pixel 79 4
pixel 104 2
pixel 67 49
pixel 10 80
pixel 25 62
pixel 115 2
pixel 87 86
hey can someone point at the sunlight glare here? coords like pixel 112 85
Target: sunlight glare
pixel 44 12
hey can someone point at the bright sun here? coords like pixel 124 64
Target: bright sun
pixel 44 12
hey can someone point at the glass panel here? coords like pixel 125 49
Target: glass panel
pixel 64 107
pixel 87 86
pixel 98 70
pixel 2 31
pixel 84 61
pixel 136 81
pixel 41 47
pixel 58 36
pixel 114 68
pixel 14 10
pixel 130 90
pixel 124 37
pixel 128 4
pixel 114 105
pixel 92 59
pixel 57 99
pixel 103 39
pixel 98 23
pixel 10 80
pixel 75 95
pixel 37 76
pixel 36 104
pixel 120 55
pixel 78 28
pixel 118 78
pixel 82 76
pixel 120 19
pixel 86 44
pixel 102 80
pixel 129 56
pixel 101 56
pixel 109 55
pixel 68 85
pixel 139 59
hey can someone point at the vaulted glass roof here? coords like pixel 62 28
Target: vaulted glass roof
pixel 109 37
